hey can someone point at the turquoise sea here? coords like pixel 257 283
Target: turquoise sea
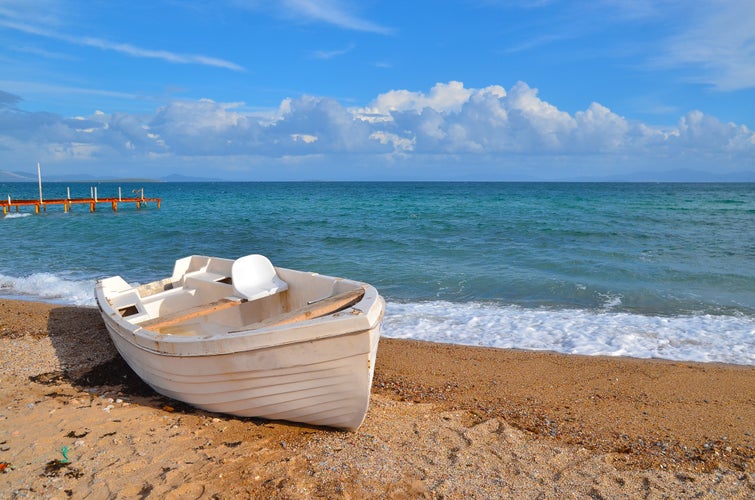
pixel 644 270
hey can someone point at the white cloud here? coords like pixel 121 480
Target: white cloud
pixel 332 12
pixel 334 125
pixel 713 40
pixel 698 131
pixel 330 54
pixel 306 138
pixel 450 122
pixel 204 127
pixel 338 13
pixel 123 48
pixel 442 97
pixel 43 12
pixel 718 43
pixel 173 57
pixel 400 144
pixel 63 90
pixel 538 123
pixel 597 128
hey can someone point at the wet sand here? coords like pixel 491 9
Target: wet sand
pixel 444 421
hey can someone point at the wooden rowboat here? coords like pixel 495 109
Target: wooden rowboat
pixel 246 338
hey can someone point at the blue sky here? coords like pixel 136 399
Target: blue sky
pixel 378 90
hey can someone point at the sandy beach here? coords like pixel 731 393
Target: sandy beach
pixel 445 421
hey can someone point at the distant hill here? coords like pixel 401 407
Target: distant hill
pixel 6 176
pixel 187 178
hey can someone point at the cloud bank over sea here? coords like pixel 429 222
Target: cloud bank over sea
pixel 489 133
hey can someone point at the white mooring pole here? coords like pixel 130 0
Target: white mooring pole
pixel 39 178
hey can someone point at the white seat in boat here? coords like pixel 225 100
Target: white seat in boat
pixel 254 277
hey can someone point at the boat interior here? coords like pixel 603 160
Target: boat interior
pixel 209 295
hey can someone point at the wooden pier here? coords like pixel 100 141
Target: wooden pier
pixel 40 204
pixel 69 202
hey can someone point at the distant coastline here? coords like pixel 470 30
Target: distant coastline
pixel 672 177
pixel 105 181
pixel 7 176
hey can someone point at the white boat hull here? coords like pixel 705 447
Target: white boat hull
pixel 317 371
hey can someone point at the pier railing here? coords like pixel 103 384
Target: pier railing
pixel 41 204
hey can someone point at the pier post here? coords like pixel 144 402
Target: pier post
pixel 36 208
pixel 91 206
pixel 115 206
pixel 39 178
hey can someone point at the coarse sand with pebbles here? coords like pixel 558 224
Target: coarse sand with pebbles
pixel 444 421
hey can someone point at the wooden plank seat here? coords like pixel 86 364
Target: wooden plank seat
pixel 317 309
pixel 185 315
pixel 323 307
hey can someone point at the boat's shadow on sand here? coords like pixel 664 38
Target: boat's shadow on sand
pixel 87 355
pixel 92 364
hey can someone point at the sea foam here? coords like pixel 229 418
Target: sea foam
pixel 48 287
pixel 708 338
pixel 705 338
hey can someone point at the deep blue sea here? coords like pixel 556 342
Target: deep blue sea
pixel 643 270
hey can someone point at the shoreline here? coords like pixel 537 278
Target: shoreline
pixel 444 420
pixel 679 334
